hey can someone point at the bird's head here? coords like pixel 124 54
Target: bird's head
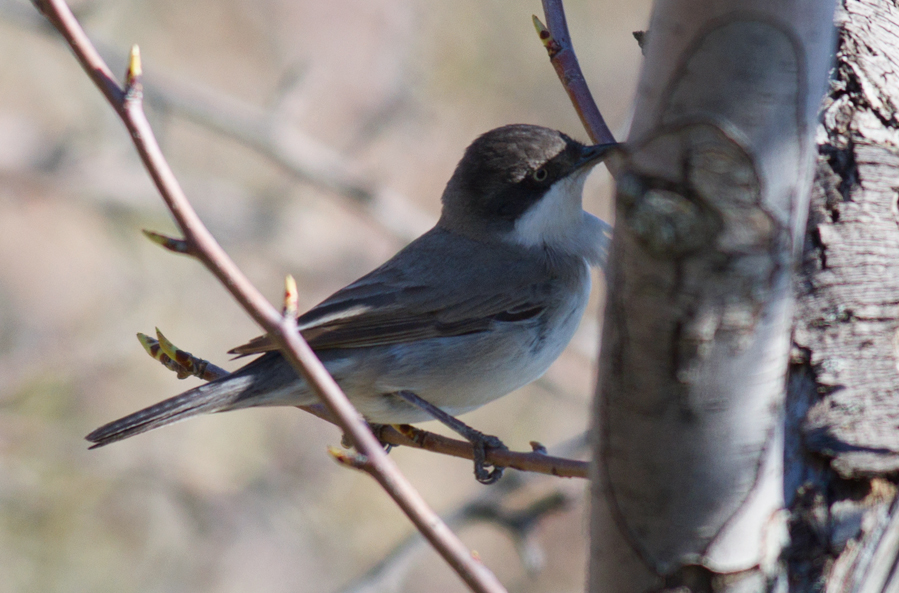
pixel 521 184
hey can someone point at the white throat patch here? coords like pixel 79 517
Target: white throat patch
pixel 558 220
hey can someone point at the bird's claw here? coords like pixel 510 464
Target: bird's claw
pixel 347 443
pixel 481 444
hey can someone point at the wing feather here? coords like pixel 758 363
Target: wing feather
pixel 405 300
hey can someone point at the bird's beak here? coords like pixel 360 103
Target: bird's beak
pixel 595 154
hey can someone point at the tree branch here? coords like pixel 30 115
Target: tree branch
pixel 128 104
pixel 488 507
pixel 263 131
pixel 186 364
pixel 297 153
pixel 558 45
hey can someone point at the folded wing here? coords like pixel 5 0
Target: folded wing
pixel 409 299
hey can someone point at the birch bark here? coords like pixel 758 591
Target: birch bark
pixel 711 207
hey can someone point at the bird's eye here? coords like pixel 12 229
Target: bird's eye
pixel 540 174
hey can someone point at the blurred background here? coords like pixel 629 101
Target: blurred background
pixel 314 138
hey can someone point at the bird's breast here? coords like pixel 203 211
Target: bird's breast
pixel 461 373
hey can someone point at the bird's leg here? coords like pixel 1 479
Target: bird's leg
pixel 479 441
pixel 376 429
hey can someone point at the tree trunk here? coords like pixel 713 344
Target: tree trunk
pixel 843 402
pixel 711 206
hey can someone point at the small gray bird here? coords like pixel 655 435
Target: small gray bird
pixel 477 307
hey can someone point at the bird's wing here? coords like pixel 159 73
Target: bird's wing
pixel 431 289
pixel 349 321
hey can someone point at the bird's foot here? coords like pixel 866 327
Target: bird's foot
pixel 376 429
pixel 482 443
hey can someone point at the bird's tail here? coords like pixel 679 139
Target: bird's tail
pixel 249 386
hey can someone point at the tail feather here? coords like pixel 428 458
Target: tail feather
pixel 259 383
pixel 212 397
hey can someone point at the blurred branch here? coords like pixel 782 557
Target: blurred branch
pixel 877 561
pixel 488 507
pixel 127 102
pixel 558 45
pixel 186 364
pixel 265 131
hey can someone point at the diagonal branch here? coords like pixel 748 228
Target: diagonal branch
pixel 297 153
pixel 558 45
pixel 263 131
pixel 486 508
pixel 128 104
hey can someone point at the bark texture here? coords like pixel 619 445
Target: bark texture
pixel 843 402
pixel 848 305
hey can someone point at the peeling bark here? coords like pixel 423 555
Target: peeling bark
pixel 848 313
pixel 843 447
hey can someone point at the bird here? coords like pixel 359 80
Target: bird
pixel 478 306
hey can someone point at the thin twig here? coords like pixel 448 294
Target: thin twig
pixel 531 462
pixel 179 361
pixel 409 436
pixel 186 364
pixel 297 153
pixel 127 103
pixel 488 507
pixel 558 45
pixel 387 572
pixel 263 131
